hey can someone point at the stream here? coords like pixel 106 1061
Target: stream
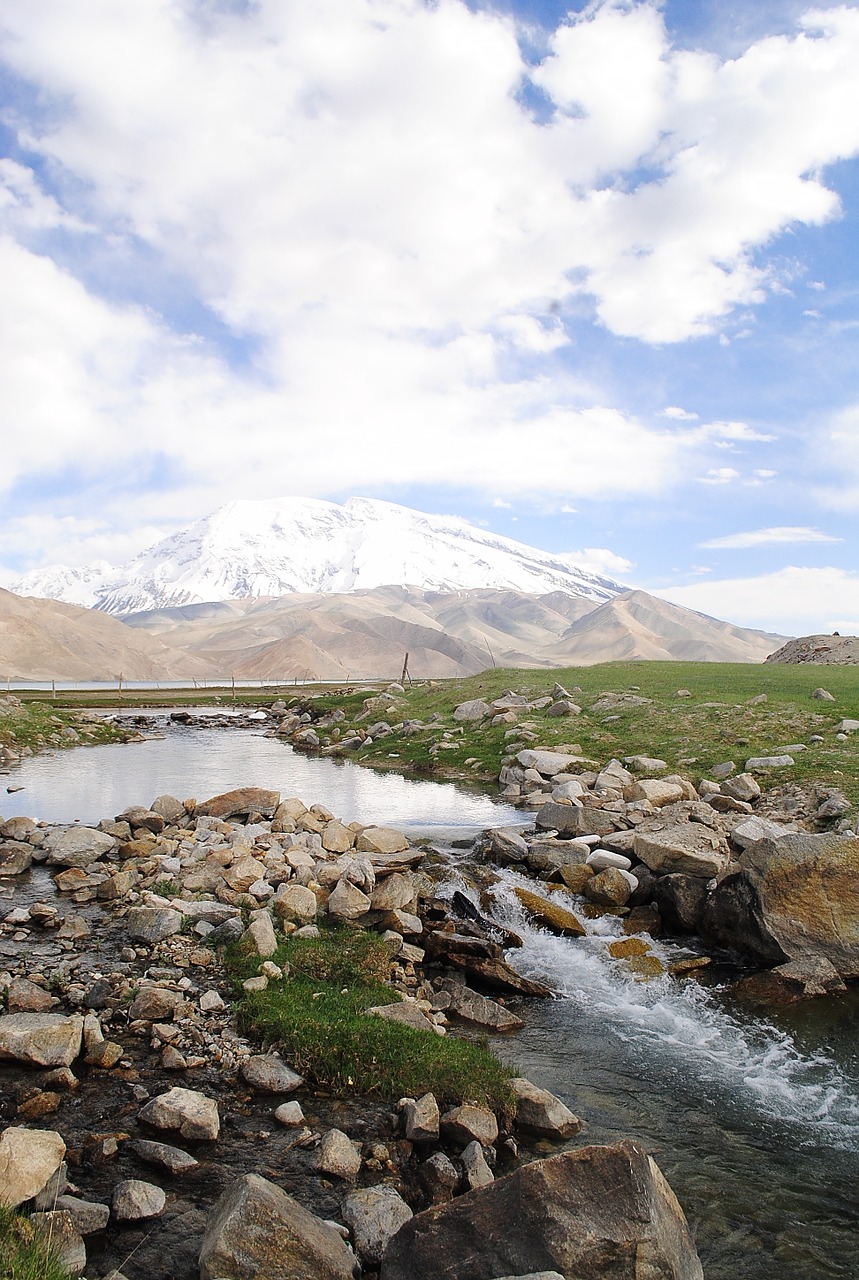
pixel 754 1121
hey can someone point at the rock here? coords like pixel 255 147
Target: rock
pixel 752 829
pixel 394 893
pixel 563 707
pixel 134 1200
pixel 687 847
pixel 155 1004
pixel 243 873
pixel 259 937
pixel 484 960
pixel 88 1216
pixel 290 1115
pixel 476 709
pixel 421 1118
pixel 23 996
pixel 609 888
pixel 743 787
pixel 823 695
pixel 541 1112
pixel 439 1179
pixel 244 800
pixel 787 983
pixel 834 806
pixel 337 1156
pixel 483 1012
pixel 847 726
pixel 268 1073
pixel 76 846
pixel 257 1230
pixel 558 919
pixel 296 903
pixel 576 875
pixel 170 809
pixel 173 1159
pixel 506 846
pixel 796 898
pixel 572 820
pixel 347 902
pixel 762 764
pixel 465 1123
pixel 29 1158
pixel 547 763
pixel 41 1039
pixel 15 859
pixel 403 1011
pixel 374 1214
pixel 600 859
pixel 654 790
pixel 475 1170
pixel 600 1213
pixel 381 840
pixel 57 1230
pixel 680 899
pixel 153 924
pixel 192 1113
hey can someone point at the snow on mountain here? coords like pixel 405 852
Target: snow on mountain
pixel 275 546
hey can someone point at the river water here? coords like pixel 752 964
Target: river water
pixel 755 1121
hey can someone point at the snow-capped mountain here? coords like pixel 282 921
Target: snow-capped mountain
pixel 252 548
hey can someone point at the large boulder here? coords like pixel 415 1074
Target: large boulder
pixel 191 1113
pixel 547 763
pixel 600 1213
pixel 77 846
pixel 256 1229
pixel 374 1214
pixel 541 1112
pixel 794 898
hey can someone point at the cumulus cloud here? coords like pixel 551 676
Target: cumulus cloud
pixel 777 535
pixel 390 240
pixel 792 601
pixel 599 560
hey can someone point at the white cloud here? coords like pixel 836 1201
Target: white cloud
pixel 792 601
pixel 599 560
pixel 720 475
pixel 777 535
pixel 682 415
pixel 499 502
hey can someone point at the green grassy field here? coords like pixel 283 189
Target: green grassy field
pixel 35 726
pixel 717 723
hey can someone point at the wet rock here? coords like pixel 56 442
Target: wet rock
pixel 29 1158
pixel 374 1215
pixel 483 960
pixel 421 1118
pixel 541 1112
pixel 475 1170
pixel 173 1159
pixel 576 875
pixel 155 1004
pixel 153 924
pixel 609 888
pixel 244 800
pixel 134 1200
pixel 798 980
pixel 337 1155
pixel 268 1073
pixel 483 1012
pixel 600 1213
pixel 23 996
pixel 507 846
pixel 41 1039
pixel 15 859
pixel 290 1115
pixel 796 898
pixel 465 1123
pixel 556 918
pixel 193 1114
pixel 256 1230
pixel 680 900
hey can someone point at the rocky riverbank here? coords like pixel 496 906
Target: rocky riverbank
pixel 156 1135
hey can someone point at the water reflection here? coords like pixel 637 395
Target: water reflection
pixel 91 783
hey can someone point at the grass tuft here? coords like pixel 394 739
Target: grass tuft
pixel 23 1253
pixel 317 1017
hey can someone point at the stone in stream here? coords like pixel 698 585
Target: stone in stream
pixel 268 1073
pixel 556 918
pixel 29 1158
pixel 173 1159
pixel 599 1213
pixel 76 846
pixel 134 1200
pixel 609 888
pixel 41 1039
pixel 420 1118
pixel 338 1156
pixel 374 1214
pixel 541 1112
pixel 152 924
pixel 88 1216
pixel 483 1012
pixel 687 847
pixel 193 1114
pixel 23 996
pixel 15 859
pixel 257 1230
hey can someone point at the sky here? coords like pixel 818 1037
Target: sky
pixel 586 275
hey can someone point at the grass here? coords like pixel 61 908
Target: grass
pixel 317 1017
pixel 36 726
pixel 690 735
pixel 23 1253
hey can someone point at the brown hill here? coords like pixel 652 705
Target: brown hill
pixel 45 640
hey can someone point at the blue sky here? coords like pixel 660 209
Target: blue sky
pixel 585 275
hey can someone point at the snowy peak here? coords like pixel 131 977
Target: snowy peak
pixel 278 546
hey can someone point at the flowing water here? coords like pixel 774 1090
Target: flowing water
pixel 754 1121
